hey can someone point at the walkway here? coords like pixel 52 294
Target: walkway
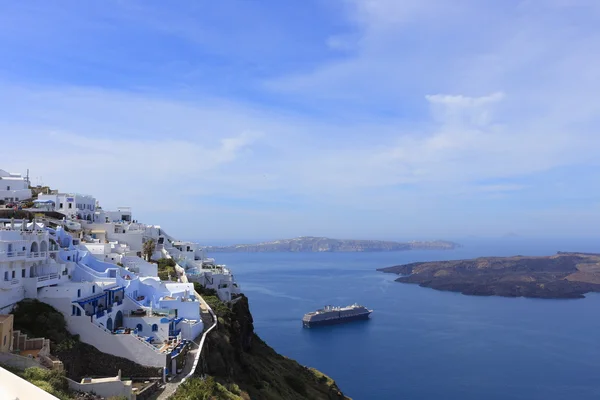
pixel 172 386
pixel 210 322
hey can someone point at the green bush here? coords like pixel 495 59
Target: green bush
pixel 52 381
pixel 39 319
pixel 207 389
pixel 166 267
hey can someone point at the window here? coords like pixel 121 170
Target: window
pixel 13 274
pixel 23 273
pixel 5 275
pixel 70 205
pixel 78 292
pixel 4 340
pixel 16 199
pixel 154 328
pixel 139 327
pixel 61 205
pixel 93 289
pixel 74 310
pixel 8 188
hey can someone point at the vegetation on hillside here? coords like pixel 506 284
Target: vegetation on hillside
pixel 52 381
pixel 166 268
pixel 208 389
pixel 210 296
pixel 38 319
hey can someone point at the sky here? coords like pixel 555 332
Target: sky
pixel 362 119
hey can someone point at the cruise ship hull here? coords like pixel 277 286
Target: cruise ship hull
pixel 337 320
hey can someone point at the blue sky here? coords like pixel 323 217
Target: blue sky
pixel 353 118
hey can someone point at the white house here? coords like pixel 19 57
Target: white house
pixel 72 205
pixel 13 187
pixel 28 261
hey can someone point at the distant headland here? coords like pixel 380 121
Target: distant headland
pixel 564 275
pixel 311 244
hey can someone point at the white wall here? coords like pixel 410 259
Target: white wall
pixel 133 239
pixel 105 389
pixel 147 322
pixel 185 309
pixel 10 297
pixel 189 331
pixel 18 362
pixel 14 387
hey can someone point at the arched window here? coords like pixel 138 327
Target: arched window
pixel 139 327
pixel 154 328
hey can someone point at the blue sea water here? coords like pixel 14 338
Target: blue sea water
pixel 422 343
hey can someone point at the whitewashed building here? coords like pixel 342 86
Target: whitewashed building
pixel 28 261
pixel 72 205
pixel 13 187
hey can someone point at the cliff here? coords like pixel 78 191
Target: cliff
pixel 241 363
pixel 564 275
pixel 322 244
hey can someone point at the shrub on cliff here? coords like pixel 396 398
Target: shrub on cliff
pixel 210 296
pixel 52 381
pixel 207 389
pixel 166 267
pixel 39 319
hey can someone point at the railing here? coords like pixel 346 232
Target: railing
pixel 36 254
pixel 12 281
pixel 12 254
pixel 47 277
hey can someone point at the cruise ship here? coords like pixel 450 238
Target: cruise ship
pixel 335 315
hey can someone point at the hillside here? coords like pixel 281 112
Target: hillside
pixel 243 365
pixel 564 275
pixel 311 244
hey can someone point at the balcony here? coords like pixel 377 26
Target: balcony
pixel 12 255
pixel 47 280
pixel 37 255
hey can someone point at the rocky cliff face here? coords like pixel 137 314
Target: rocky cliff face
pixel 564 275
pixel 235 354
pixel 322 244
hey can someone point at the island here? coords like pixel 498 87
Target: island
pixel 312 244
pixel 560 276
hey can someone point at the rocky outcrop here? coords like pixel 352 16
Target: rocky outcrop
pixel 564 275
pixel 234 354
pixel 313 244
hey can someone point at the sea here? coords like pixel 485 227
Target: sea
pixel 422 343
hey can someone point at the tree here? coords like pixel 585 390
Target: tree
pixel 148 248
